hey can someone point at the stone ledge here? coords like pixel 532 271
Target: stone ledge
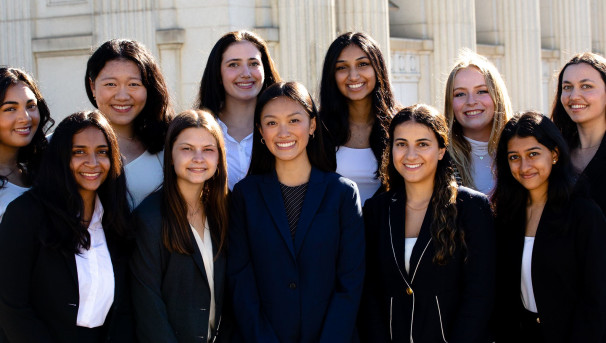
pixel 170 36
pixel 66 43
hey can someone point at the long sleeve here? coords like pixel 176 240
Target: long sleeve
pixel 151 316
pixel 252 323
pixel 342 311
pixel 19 247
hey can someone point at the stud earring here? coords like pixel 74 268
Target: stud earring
pixel 554 161
pixel 262 140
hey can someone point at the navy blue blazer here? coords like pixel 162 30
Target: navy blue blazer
pixel 302 290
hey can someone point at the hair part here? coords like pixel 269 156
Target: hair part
pixel 334 105
pixel 176 231
pixel 29 156
pixel 460 149
pixel 444 231
pixel 151 124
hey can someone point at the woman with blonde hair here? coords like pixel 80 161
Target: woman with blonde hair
pixel 477 107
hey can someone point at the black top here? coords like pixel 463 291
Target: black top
pixel 593 178
pixel 293 202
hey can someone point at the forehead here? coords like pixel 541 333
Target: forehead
pixel 196 135
pixel 120 67
pixel 469 76
pixel 517 143
pixel 351 52
pixel 581 71
pixel 411 131
pixel 282 106
pixel 90 136
pixel 19 89
pixel 241 50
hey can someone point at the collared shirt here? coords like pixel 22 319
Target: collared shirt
pixel 95 275
pixel 237 154
pixel 206 250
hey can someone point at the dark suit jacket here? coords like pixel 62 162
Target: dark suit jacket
pixel 450 303
pixel 39 284
pixel 302 290
pixel 171 294
pixel 593 177
pixel 568 274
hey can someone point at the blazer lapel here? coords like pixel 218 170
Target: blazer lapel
pixel 421 247
pixel 397 212
pixel 270 190
pixel 197 256
pixel 219 279
pixel 70 260
pixel 313 197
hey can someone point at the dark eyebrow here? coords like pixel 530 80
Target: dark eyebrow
pixel 9 103
pixel 529 149
pixel 357 59
pixel 581 81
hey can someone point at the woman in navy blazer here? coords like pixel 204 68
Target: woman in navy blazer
pixel 430 243
pixel 296 239
pixel 551 262
pixel 64 245
pixel 179 263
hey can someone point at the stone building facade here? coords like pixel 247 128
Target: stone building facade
pixel 528 40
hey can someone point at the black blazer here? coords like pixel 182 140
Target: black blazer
pixel 448 303
pixel 39 284
pixel 568 274
pixel 171 294
pixel 593 177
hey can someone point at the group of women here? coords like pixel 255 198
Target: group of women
pixel 242 221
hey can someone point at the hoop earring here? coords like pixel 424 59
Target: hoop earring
pixel 262 141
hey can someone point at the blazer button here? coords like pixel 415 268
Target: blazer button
pixel 538 320
pixel 409 291
pixel 292 285
pixel 202 309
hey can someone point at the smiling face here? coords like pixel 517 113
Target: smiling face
pixel 584 95
pixel 19 116
pixel 119 92
pixel 195 157
pixel 472 105
pixel 354 75
pixel 286 126
pixel 90 161
pixel 242 73
pixel 530 163
pixel 416 153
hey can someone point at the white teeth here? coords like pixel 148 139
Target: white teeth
pixel 245 84
pixel 24 130
pixel 122 107
pixel 473 113
pixel 577 106
pixel 413 166
pixel 90 174
pixel 285 145
pixel 356 86
pixel 198 170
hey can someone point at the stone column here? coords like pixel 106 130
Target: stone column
pixel 16 33
pixel 521 37
pixel 306 30
pixel 598 23
pixel 573 27
pixel 452 27
pixel 370 16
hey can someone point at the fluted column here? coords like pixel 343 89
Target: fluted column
pixel 132 19
pixel 16 33
pixel 598 23
pixel 452 25
pixel 573 27
pixel 370 16
pixel 521 36
pixel 306 30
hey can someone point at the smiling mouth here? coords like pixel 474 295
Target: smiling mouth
pixel 528 176
pixel 577 107
pixel 473 113
pixel 122 107
pixel 245 84
pixel 286 144
pixel 24 130
pixel 413 166
pixel 197 170
pixel 356 85
pixel 90 176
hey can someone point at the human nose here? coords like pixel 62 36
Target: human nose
pixel 574 93
pixel 122 94
pixel 198 156
pixel 245 72
pixel 23 115
pixel 92 160
pixel 353 74
pixel 283 130
pixel 410 154
pixel 471 100
pixel 525 165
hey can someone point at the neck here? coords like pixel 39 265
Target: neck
pixel 124 132
pixel 191 194
pixel 238 113
pixel 88 200
pixel 8 156
pixel 537 197
pixel 478 135
pixel 360 111
pixel 418 193
pixel 293 173
pixel 591 135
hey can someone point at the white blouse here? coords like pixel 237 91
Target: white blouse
pixel 237 155
pixel 95 275
pixel 206 249
pixel 144 175
pixel 8 193
pixel 359 165
pixel 409 244
pixel 527 291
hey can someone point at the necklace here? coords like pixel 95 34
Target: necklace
pixel 12 170
pixel 417 209
pixel 127 138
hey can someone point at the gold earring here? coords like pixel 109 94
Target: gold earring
pixel 262 140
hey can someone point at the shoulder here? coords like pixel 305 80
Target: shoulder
pixel 149 212
pixel 584 209
pixel 467 197
pixel 380 200
pixel 251 182
pixel 27 202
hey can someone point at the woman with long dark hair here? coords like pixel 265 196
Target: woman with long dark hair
pixel 179 264
pixel 430 243
pixel 296 239
pixel 551 262
pixel 64 244
pixel 24 121
pixel 124 81
pixel 579 111
pixel 238 69
pixel 356 104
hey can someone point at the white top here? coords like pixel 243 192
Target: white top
pixel 481 166
pixel 409 244
pixel 360 166
pixel 527 291
pixel 206 249
pixel 144 175
pixel 8 193
pixel 237 154
pixel 95 275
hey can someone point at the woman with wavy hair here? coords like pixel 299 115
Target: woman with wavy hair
pixel 551 262
pixel 579 111
pixel 238 69
pixel 477 106
pixel 356 104
pixel 64 244
pixel 24 121
pixel 430 243
pixel 124 81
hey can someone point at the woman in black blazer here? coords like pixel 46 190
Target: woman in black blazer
pixel 64 244
pixel 179 262
pixel 579 111
pixel 551 262
pixel 444 292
